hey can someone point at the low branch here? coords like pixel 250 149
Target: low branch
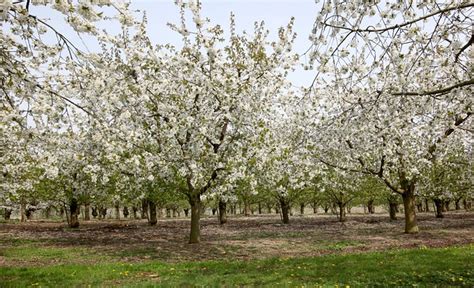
pixel 438 91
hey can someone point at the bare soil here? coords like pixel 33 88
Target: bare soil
pixel 241 238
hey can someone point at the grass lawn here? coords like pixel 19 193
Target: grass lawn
pixel 421 267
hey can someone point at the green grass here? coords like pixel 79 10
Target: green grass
pixel 443 267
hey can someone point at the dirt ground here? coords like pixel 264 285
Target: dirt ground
pixel 241 238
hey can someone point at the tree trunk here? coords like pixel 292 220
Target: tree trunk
pixel 409 201
pixel 222 212
pixel 117 211
pixel 74 212
pixel 285 207
pixel 186 212
pixel 195 233
pixel 134 212
pixel 446 206
pixel 269 209
pixel 326 209
pixel 246 208
pixel 370 206
pixel 152 212
pixel 144 209
pixel 427 205
pixel 302 208
pixel 23 211
pixel 87 214
pixel 8 213
pixel 259 208
pixel 393 210
pixel 125 212
pixel 94 212
pixel 342 211
pixel 457 204
pixel 439 208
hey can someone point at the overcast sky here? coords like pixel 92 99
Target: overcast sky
pixel 275 13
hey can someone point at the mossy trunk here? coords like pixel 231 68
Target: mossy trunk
pixel 74 211
pixel 439 208
pixel 195 233
pixel 152 220
pixel 285 210
pixel 409 205
pixel 222 212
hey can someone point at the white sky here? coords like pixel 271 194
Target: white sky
pixel 275 13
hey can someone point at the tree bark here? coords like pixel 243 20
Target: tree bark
pixel 439 207
pixel 393 208
pixel 87 214
pixel 144 209
pixel 152 213
pixel 246 208
pixel 117 211
pixel 285 209
pixel 342 211
pixel 74 212
pixel 259 208
pixel 427 205
pixel 23 211
pixel 370 206
pixel 409 202
pixel 7 213
pixel 134 212
pixel 222 212
pixel 195 233
pixel 302 208
pixel 457 204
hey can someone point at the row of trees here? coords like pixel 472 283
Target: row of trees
pixel 216 118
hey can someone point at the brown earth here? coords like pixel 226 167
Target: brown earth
pixel 241 238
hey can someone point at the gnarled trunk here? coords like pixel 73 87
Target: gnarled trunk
pixel 409 202
pixel 74 212
pixel 285 210
pixel 195 233
pixel 222 212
